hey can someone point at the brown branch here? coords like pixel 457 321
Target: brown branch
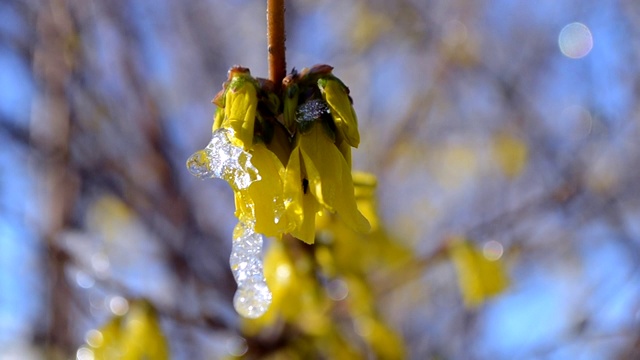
pixel 275 41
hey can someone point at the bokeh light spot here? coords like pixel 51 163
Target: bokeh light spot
pixel 94 338
pixel 84 354
pixel 237 346
pixel 492 250
pixel 83 280
pixel 337 289
pixel 575 40
pixel 363 326
pixel 577 121
pixel 118 305
pixel 283 271
pixel 100 264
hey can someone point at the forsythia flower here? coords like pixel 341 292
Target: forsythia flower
pixel 326 178
pixel 479 278
pixel 240 102
pixel 321 124
pixel 137 335
pixel 343 258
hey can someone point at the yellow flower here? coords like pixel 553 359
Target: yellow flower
pixel 240 106
pixel 336 94
pixel 478 277
pixel 137 335
pixel 318 174
pixel 297 296
pixel 263 200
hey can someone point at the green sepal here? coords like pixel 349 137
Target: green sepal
pixel 290 94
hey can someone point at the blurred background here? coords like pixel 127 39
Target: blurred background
pixel 513 124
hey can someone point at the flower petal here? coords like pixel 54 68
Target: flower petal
pixel 330 178
pixel 336 94
pixel 301 207
pixel 241 102
pixel 263 200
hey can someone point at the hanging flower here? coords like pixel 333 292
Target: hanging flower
pixel 311 128
pixel 317 174
pixel 239 98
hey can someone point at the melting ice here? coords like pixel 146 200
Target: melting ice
pixel 223 160
pixel 253 297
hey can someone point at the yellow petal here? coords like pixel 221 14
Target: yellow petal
pixel 217 119
pixel 263 200
pixel 364 187
pixel 280 144
pixel 241 102
pixel 306 231
pixel 511 154
pixel 141 336
pixel 345 150
pixel 301 207
pixel 337 97
pixel 330 177
pixel 478 277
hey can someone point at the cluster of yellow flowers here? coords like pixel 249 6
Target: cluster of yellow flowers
pixel 132 336
pixel 300 144
pixel 325 294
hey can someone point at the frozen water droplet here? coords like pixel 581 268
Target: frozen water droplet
pixel 253 296
pixel 221 159
pixel 279 209
pixel 311 110
pixel 252 301
pixel 198 164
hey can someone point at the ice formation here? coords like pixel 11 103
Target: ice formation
pixel 221 159
pixel 253 297
pixel 311 110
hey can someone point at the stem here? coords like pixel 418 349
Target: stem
pixel 275 41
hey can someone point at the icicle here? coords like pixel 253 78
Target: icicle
pixel 221 159
pixel 253 297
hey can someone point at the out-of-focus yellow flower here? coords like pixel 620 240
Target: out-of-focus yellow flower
pixel 135 336
pixel 297 297
pixel 478 277
pixel 316 167
pixel 352 256
pixel 511 154
pixel 356 251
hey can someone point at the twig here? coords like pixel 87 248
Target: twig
pixel 275 41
